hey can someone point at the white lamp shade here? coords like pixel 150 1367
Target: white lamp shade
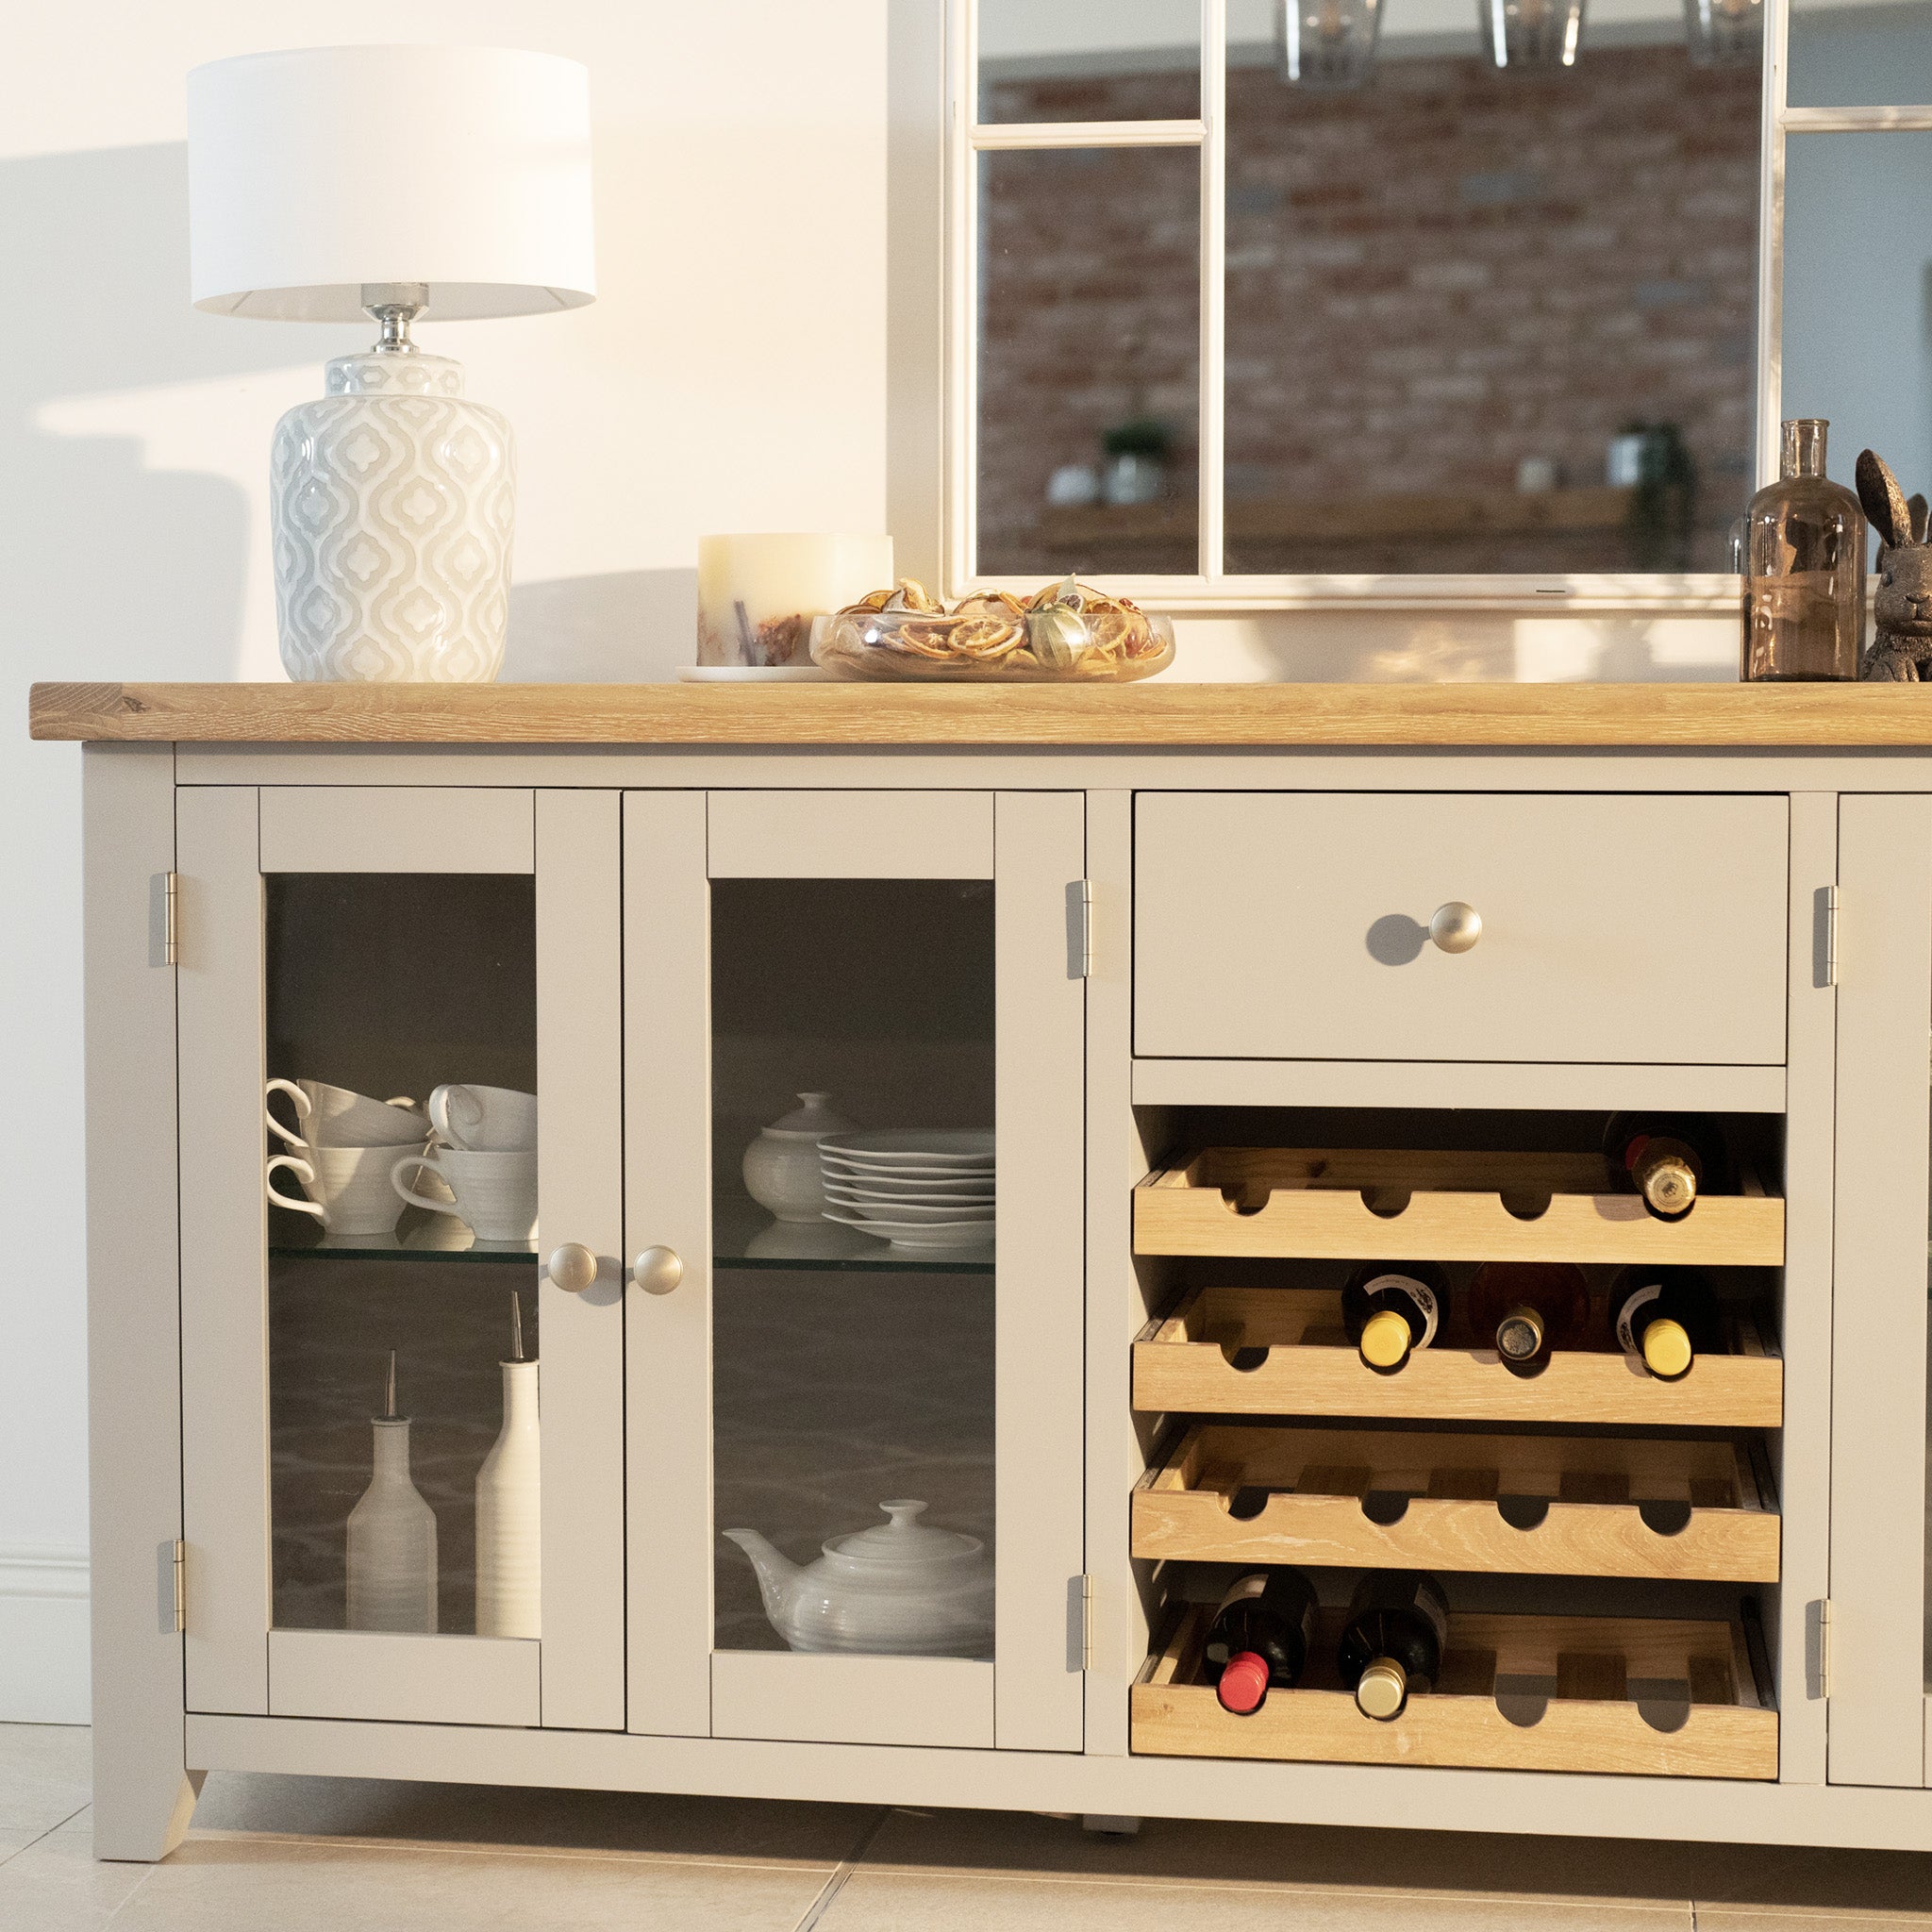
pixel 313 173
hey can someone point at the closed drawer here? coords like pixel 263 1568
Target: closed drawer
pixel 1295 926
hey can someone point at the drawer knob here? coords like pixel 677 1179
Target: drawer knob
pixel 658 1270
pixel 1455 927
pixel 572 1268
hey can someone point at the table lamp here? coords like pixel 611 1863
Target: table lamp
pixel 330 183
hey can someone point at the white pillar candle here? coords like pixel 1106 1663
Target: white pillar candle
pixel 758 594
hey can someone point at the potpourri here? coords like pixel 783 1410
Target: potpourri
pixel 1068 630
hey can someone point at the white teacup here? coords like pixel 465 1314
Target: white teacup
pixel 329 1116
pixel 493 1120
pixel 348 1188
pixel 495 1188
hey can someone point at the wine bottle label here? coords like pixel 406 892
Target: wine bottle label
pixel 1244 1589
pixel 1627 1332
pixel 1431 1602
pixel 1419 1293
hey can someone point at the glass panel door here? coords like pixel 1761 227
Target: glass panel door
pixel 849 1577
pixel 394 1192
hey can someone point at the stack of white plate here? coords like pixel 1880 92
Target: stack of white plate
pixel 927 1189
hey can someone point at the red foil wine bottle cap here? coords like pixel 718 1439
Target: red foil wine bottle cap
pixel 1243 1683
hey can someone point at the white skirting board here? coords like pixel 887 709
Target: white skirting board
pixel 43 1635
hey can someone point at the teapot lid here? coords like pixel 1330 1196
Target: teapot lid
pixel 816 1118
pixel 903 1541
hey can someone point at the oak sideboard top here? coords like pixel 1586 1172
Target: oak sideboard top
pixel 1664 716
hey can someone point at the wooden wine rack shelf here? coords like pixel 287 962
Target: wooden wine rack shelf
pixel 1182 1365
pixel 1566 1505
pixel 1422 1205
pixel 1519 1693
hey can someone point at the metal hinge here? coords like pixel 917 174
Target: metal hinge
pixel 163 935
pixel 1817 1641
pixel 1827 974
pixel 1079 928
pixel 1080 1623
pixel 173 1590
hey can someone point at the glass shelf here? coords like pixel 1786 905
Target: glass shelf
pixel 418 1237
pixel 748 1238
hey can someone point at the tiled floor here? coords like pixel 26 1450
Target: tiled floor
pixel 310 1854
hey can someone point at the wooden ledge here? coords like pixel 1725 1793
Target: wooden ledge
pixel 1159 714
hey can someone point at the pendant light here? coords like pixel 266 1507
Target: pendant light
pixel 1531 33
pixel 1725 33
pixel 1327 45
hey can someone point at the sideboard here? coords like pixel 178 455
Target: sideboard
pixel 1172 944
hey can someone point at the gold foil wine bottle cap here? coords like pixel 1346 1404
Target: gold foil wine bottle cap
pixel 1667 1349
pixel 1382 1689
pixel 1385 1340
pixel 1520 1336
pixel 1671 1187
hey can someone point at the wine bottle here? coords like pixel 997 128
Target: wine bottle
pixel 1392 1643
pixel 1666 1158
pixel 1391 1308
pixel 1668 1316
pixel 1529 1306
pixel 1259 1638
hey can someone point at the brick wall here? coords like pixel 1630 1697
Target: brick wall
pixel 1428 281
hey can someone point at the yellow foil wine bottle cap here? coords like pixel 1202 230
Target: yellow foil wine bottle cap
pixel 1385 1340
pixel 1382 1689
pixel 1667 1348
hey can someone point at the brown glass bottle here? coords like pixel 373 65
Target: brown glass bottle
pixel 1803 569
pixel 1529 1307
pixel 1391 1308
pixel 1669 1159
pixel 1393 1645
pixel 1259 1638
pixel 1665 1316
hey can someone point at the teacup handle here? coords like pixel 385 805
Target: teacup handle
pixel 419 1161
pixel 303 1108
pixel 298 1167
pixel 454 1097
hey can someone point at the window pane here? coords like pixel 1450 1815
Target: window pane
pixel 849 1370
pixel 1072 60
pixel 1856 350
pixel 1449 290
pixel 1089 360
pixel 1877 55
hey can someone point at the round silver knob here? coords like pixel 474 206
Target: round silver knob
pixel 1455 927
pixel 658 1270
pixel 572 1268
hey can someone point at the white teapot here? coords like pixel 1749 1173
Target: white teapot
pixel 901 1589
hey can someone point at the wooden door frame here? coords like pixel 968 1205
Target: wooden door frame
pixel 1876 1714
pixel 228 837
pixel 1032 846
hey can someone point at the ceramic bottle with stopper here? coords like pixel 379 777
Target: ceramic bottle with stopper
pixel 510 1500
pixel 391 1552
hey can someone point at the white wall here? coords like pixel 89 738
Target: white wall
pixel 730 376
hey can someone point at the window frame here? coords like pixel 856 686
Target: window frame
pixel 1211 588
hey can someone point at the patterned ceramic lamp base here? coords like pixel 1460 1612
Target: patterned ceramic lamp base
pixel 394 503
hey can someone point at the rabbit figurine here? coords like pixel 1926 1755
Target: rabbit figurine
pixel 1901 651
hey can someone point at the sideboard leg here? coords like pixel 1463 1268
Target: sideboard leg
pixel 1106 1826
pixel 140 1822
pixel 143 1792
